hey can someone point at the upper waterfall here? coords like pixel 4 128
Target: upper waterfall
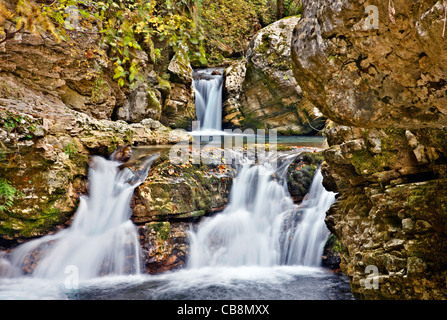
pixel 208 85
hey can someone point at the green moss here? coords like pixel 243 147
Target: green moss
pixel 333 245
pixel 315 158
pixel 366 162
pixel 164 86
pixel 153 102
pixel 162 229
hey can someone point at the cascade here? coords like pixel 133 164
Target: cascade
pixel 208 85
pixel 304 242
pixel 101 239
pixel 261 225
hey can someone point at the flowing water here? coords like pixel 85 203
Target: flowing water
pixel 261 247
pixel 208 98
pixel 101 239
pixel 305 239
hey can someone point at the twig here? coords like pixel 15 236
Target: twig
pixel 10 35
pixel 444 4
pixel 391 11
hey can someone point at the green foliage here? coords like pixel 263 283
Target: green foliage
pixel 15 123
pixel 123 26
pixel 70 149
pixel 333 244
pixel 8 194
pixel 227 26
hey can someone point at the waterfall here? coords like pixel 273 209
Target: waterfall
pixel 250 231
pixel 208 95
pixel 101 239
pixel 305 243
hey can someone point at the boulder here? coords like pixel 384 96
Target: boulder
pixel 141 104
pixel 263 94
pixel 181 191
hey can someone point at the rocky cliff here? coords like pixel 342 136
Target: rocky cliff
pixel 385 91
pixel 59 104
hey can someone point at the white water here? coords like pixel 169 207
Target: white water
pixel 208 100
pixel 249 251
pixel 101 240
pixel 250 231
pixel 304 245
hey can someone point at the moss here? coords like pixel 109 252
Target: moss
pixel 315 158
pixel 164 86
pixel 265 43
pixel 366 162
pixel 162 229
pixel 154 104
pixel 333 244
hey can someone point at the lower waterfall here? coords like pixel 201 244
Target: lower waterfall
pixel 101 239
pixel 261 225
pixel 262 246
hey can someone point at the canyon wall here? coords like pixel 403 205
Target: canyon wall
pixel 379 74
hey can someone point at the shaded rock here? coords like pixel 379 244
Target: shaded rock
pixel 180 68
pixel 178 108
pixel 141 104
pixel 164 245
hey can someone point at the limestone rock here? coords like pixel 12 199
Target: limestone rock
pixel 141 104
pixel 263 94
pixel 390 76
pixel 180 68
pixel 181 191
pixel 384 91
pixel 179 109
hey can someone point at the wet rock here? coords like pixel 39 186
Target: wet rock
pixel 165 245
pixel 181 191
pixel 122 154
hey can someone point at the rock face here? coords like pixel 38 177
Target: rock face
pixel 179 109
pixel 385 91
pixel 261 93
pixel 392 76
pixel 142 104
pixel 59 74
pixel 164 245
pixel 46 159
pixel 57 102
